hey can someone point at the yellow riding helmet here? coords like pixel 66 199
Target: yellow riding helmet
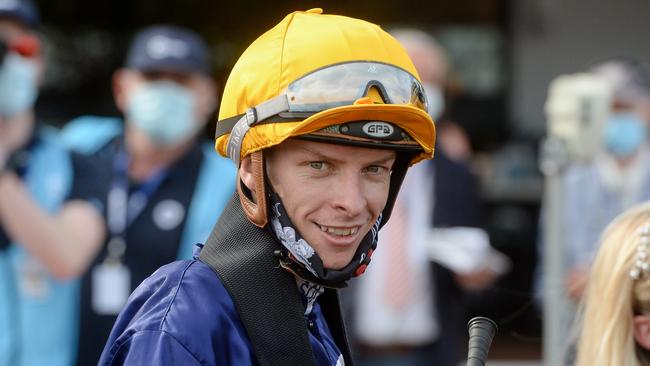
pixel 327 77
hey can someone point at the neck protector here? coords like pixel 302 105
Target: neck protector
pixel 299 257
pixel 243 257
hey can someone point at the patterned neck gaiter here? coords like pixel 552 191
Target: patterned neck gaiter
pixel 300 258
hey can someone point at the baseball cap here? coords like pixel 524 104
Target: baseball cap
pixel 629 78
pixel 168 48
pixel 24 11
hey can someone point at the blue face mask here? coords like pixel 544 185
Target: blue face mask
pixel 18 89
pixel 164 111
pixel 625 132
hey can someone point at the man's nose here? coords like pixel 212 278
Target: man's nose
pixel 349 195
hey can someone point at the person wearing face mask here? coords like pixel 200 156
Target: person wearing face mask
pixel 51 204
pixel 167 188
pixel 617 178
pixel 434 61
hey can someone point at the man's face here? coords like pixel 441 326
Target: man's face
pixel 202 88
pixel 23 47
pixel 22 41
pixel 333 194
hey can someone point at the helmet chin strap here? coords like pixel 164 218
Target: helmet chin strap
pixel 253 202
pixel 397 175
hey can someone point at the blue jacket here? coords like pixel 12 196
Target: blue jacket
pixel 29 333
pixel 183 315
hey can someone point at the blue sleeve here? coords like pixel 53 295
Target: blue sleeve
pixel 151 347
pixel 181 315
pixel 92 180
pixel 87 134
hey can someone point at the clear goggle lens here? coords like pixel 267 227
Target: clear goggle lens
pixel 330 87
pixel 343 84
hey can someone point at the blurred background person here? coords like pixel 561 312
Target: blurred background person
pixel 595 191
pixel 615 327
pixel 617 178
pixel 407 309
pixel 50 208
pixel 433 60
pixel 164 196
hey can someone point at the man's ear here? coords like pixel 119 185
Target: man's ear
pixel 246 174
pixel 208 98
pixel 251 174
pixel 642 331
pixel 122 81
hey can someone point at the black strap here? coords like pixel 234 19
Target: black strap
pixel 400 166
pixel 266 296
pixel 255 115
pixel 224 126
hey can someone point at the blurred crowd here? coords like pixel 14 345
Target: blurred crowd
pixel 89 210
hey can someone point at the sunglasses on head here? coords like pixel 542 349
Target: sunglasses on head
pixel 24 45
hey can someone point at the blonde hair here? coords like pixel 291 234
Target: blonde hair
pixel 613 297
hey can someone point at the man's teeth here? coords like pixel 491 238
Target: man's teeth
pixel 339 231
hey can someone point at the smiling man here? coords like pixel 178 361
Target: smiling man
pixel 332 194
pixel 323 115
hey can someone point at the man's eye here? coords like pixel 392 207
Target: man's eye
pixel 375 169
pixel 318 165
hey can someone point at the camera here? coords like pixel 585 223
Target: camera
pixel 577 108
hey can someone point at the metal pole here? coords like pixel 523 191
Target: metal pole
pixel 554 160
pixel 576 108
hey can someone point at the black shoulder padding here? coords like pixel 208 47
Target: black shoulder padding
pixel 265 295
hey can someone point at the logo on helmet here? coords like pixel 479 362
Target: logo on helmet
pixel 378 129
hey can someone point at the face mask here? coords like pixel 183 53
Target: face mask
pixel 436 100
pixel 18 88
pixel 164 111
pixel 624 133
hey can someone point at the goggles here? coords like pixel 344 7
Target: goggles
pixel 343 84
pixel 329 87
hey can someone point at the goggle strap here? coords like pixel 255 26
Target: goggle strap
pixel 225 126
pixel 245 121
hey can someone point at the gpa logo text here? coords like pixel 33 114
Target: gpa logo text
pixel 378 129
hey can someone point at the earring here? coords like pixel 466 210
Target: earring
pixel 642 264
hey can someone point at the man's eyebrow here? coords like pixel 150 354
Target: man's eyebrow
pixel 383 160
pixel 318 155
